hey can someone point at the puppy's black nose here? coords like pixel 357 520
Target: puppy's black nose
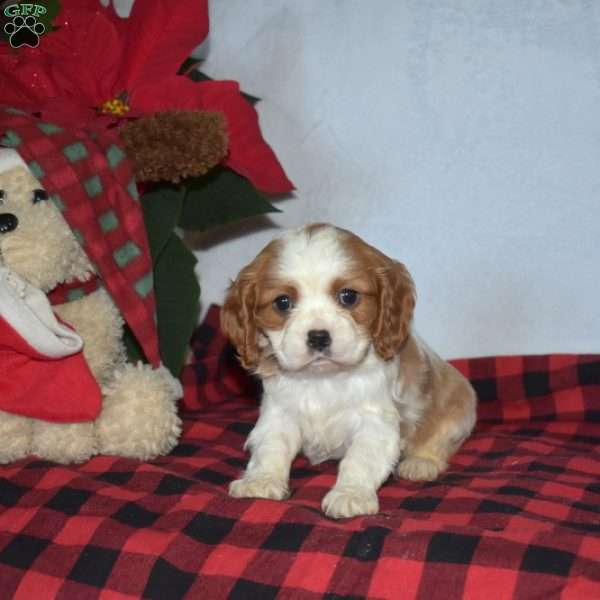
pixel 318 339
pixel 8 222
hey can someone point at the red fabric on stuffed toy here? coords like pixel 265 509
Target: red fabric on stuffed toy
pixel 43 372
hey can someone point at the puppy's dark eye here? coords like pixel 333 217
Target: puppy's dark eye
pixel 2 196
pixel 283 303
pixel 347 297
pixel 39 196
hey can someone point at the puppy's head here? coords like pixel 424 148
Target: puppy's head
pixel 318 299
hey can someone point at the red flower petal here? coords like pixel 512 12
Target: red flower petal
pixel 25 82
pixel 96 55
pixel 93 5
pixel 249 154
pixel 13 92
pixel 160 36
pixel 85 56
pixel 69 6
pixel 69 112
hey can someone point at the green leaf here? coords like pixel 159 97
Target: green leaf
pixel 162 211
pixel 220 197
pixel 53 7
pixel 189 64
pixel 177 302
pixel 176 288
pixel 196 75
pixel 134 351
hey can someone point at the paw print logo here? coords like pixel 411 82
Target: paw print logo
pixel 24 31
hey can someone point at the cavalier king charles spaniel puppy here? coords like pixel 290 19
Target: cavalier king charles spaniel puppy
pixel 324 320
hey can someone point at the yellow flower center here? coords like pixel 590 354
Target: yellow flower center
pixel 116 107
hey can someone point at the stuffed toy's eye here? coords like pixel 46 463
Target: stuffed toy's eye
pixel 283 303
pixel 348 297
pixel 39 196
pixel 2 195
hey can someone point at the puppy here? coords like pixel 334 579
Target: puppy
pixel 324 320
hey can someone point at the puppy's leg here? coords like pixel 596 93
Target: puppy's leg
pixel 367 463
pixel 273 443
pixel 445 426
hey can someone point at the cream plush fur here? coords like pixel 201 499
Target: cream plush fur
pixel 139 415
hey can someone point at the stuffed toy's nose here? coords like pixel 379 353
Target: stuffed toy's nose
pixel 8 222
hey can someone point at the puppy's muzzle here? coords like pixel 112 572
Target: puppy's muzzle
pixel 8 222
pixel 318 339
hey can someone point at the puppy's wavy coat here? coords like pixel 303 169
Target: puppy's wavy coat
pixel 324 320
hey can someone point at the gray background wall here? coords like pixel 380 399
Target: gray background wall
pixel 462 137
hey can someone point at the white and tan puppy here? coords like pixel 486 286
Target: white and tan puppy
pixel 324 320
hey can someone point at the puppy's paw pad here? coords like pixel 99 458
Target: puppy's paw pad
pixel 259 487
pixel 341 503
pixel 416 468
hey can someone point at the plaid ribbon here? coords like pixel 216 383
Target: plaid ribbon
pixel 90 180
pixel 516 516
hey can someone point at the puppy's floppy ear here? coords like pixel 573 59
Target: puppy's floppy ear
pixel 238 316
pixel 396 298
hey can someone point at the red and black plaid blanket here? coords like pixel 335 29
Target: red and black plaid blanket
pixel 516 516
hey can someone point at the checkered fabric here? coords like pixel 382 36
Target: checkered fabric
pixel 517 515
pixel 90 180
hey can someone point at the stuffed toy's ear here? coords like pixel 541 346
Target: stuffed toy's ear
pixel 10 159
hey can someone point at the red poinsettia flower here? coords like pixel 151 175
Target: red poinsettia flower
pixel 98 68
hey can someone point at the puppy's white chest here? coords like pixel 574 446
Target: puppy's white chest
pixel 330 410
pixel 326 430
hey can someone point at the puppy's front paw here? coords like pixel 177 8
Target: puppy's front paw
pixel 259 487
pixel 416 468
pixel 343 502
